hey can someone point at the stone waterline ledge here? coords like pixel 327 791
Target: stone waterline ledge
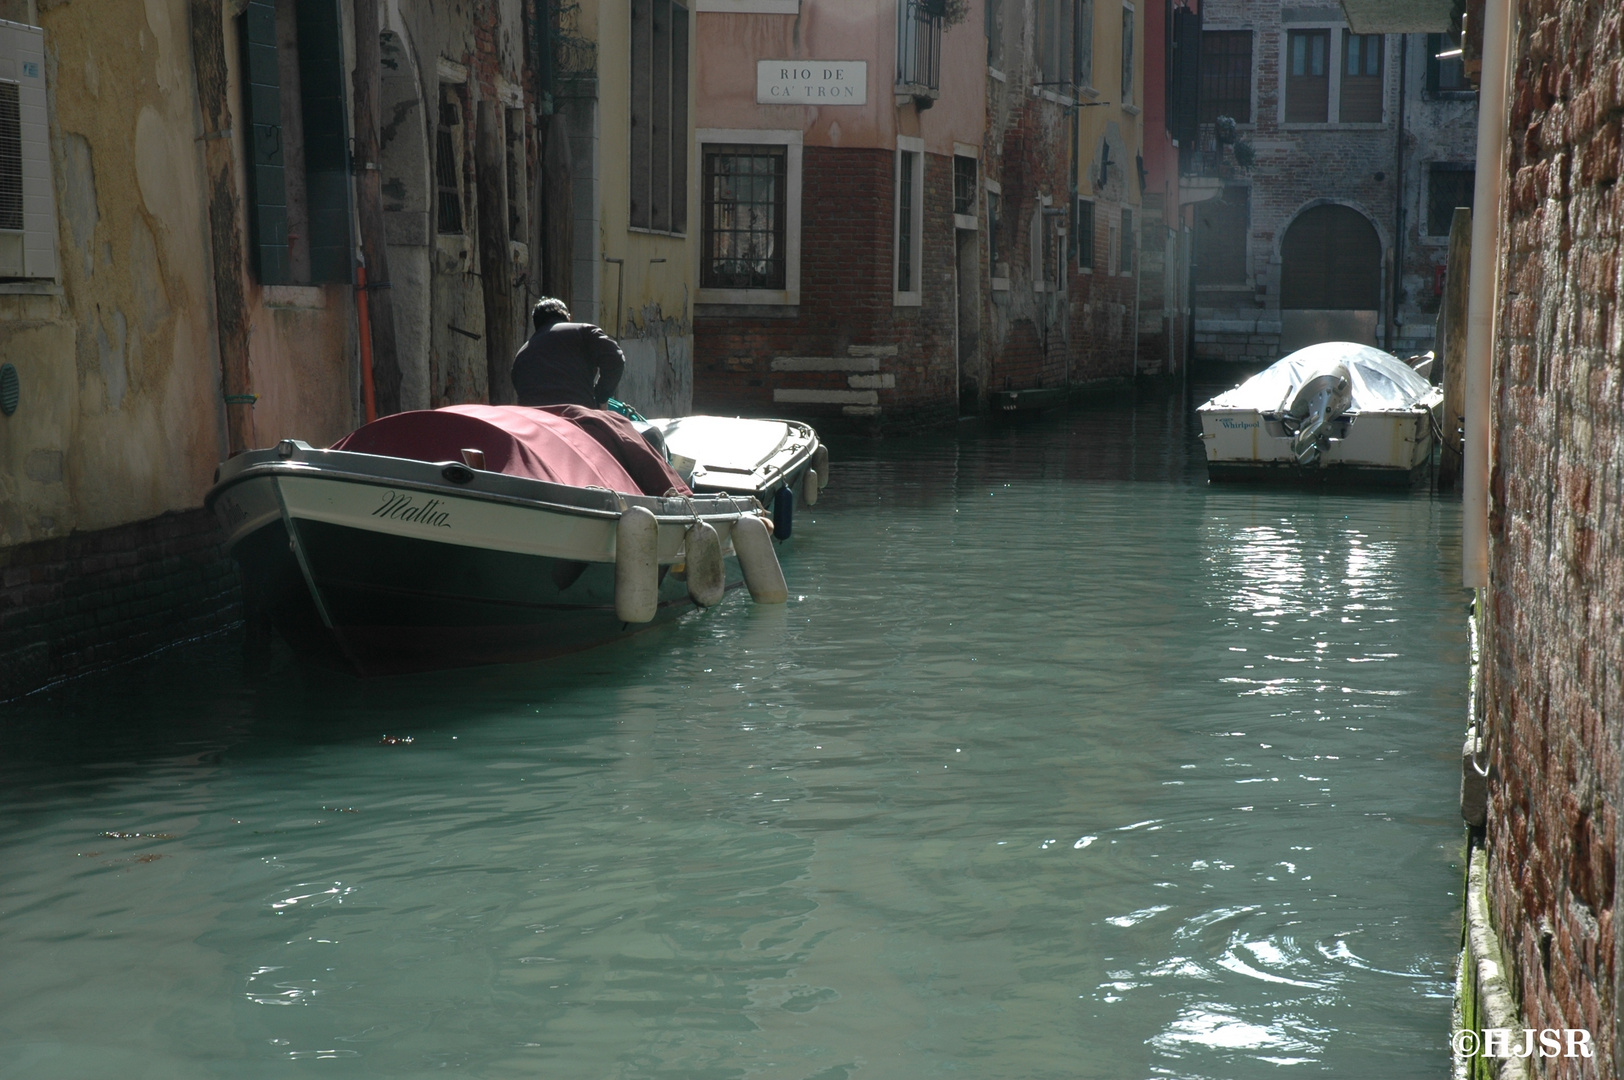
pixel 1483 996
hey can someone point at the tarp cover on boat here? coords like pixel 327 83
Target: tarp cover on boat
pixel 1380 381
pixel 565 444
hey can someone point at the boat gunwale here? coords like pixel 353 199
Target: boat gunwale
pixel 703 506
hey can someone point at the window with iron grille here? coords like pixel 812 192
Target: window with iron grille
pixel 743 217
pixel 1446 74
pixel 1308 76
pixel 448 146
pixel 1226 75
pixel 919 44
pixel 659 115
pixel 964 184
pixel 1083 234
pixel 1449 184
pixel 1361 99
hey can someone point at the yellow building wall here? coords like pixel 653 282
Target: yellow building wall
pixel 1094 123
pixel 121 416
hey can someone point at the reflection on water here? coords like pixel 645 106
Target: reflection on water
pixel 1059 763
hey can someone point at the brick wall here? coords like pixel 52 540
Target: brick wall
pixel 896 364
pixel 88 600
pixel 1555 637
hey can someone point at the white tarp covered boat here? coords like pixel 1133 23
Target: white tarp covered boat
pixel 1335 410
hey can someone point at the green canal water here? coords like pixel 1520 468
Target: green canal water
pixel 1059 763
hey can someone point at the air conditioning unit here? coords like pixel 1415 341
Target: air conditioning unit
pixel 27 206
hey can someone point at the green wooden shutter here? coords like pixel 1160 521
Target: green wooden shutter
pixel 326 141
pixel 267 181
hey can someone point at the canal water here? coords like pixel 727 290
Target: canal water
pixel 1059 763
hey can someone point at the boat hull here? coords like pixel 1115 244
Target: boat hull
pixel 1389 448
pixel 387 572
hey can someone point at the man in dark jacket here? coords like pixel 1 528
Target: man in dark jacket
pixel 566 363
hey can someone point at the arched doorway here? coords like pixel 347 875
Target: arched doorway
pixel 1330 278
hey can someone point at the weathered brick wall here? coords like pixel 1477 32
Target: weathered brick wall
pixel 87 600
pixel 846 310
pixel 1555 636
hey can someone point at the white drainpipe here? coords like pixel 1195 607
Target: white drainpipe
pixel 1483 290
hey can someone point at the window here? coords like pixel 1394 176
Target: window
pixel 919 46
pixel 1126 264
pixel 964 184
pixel 1083 234
pixel 27 212
pixel 448 148
pixel 995 33
pixel 1221 227
pixel 1127 56
pixel 517 201
pixel 744 217
pixel 1446 75
pixel 1448 185
pixel 297 143
pixel 749 247
pixel 1361 99
pixel 910 197
pixel 1053 42
pixel 1082 49
pixel 659 115
pixel 994 211
pixel 1226 75
pixel 1308 76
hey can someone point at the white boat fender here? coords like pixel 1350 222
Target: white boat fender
pixel 810 487
pixel 703 549
pixel 820 462
pixel 637 566
pixel 762 574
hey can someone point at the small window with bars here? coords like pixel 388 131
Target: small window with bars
pixel 1448 185
pixel 1226 75
pixel 448 141
pixel 744 210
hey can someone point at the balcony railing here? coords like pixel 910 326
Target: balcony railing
pixel 919 50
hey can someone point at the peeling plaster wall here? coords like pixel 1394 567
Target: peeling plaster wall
pixel 121 417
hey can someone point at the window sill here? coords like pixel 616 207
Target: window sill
pixel 1338 126
pixel 996 75
pixel 656 232
pixel 1050 95
pixel 780 297
pixel 1131 110
pixel 1000 284
pixel 42 287
pixel 746 311
pixel 1088 92
pixel 966 221
pixel 907 299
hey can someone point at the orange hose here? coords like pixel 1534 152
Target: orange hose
pixel 364 314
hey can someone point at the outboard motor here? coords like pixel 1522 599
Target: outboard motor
pixel 1322 398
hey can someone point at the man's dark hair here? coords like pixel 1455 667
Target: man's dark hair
pixel 548 309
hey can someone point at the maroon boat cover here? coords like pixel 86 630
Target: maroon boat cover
pixel 566 444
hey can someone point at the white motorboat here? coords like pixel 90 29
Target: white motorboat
pixel 772 461
pixel 1332 411
pixel 479 534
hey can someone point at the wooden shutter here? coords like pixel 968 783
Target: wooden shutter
pixel 1308 76
pixel 267 175
pixel 326 141
pixel 1331 259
